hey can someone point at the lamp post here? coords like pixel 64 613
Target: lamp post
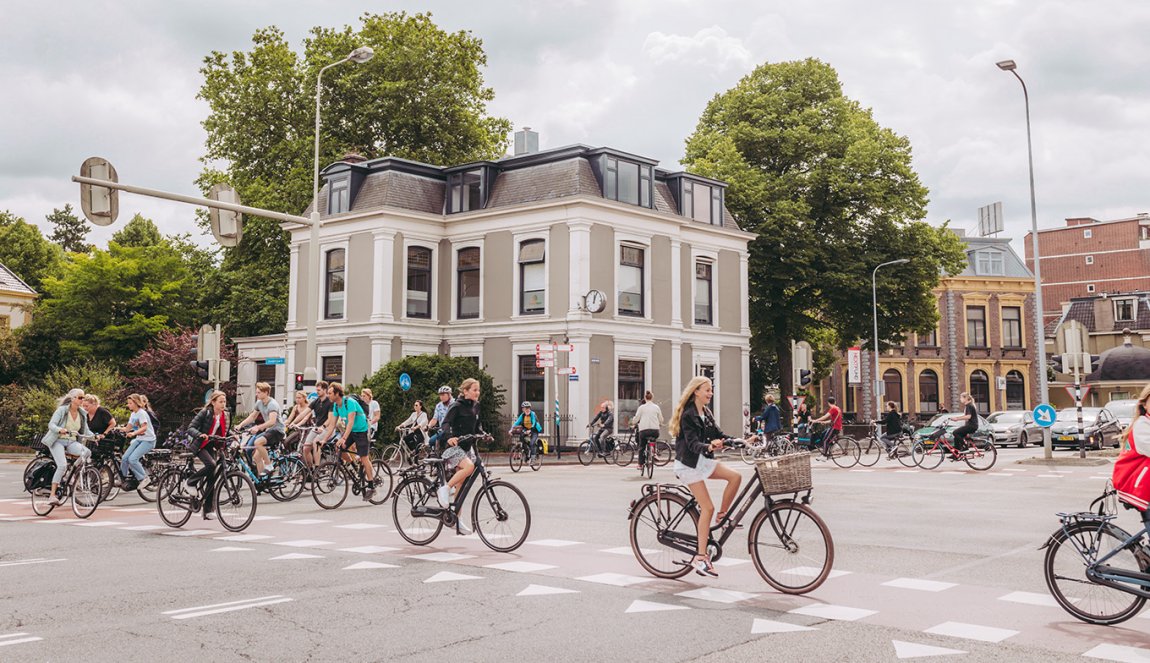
pixel 875 382
pixel 359 56
pixel 1039 335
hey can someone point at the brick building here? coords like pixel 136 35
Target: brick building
pixel 1090 257
pixel 1118 330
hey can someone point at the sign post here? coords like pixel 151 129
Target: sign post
pixel 545 355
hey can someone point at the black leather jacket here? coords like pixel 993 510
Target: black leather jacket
pixel 695 435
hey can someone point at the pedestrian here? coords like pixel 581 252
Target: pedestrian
pixel 142 432
pixel 67 423
pixel 648 419
pixel 770 417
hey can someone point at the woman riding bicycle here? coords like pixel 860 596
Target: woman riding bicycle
pixel 970 416
pixel 697 437
pixel 414 427
pixel 210 421
pixel 300 415
pixel 68 421
pixel 143 436
pixel 1134 463
pixel 892 425
pixel 462 418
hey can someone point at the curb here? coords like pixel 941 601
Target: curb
pixel 1067 462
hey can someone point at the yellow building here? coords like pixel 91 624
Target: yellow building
pixel 16 300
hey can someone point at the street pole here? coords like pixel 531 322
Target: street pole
pixel 874 304
pixel 1039 333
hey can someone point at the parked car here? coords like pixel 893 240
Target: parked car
pixel 1100 428
pixel 1014 427
pixel 1123 410
pixel 945 421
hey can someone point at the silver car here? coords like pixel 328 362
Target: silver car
pixel 1123 410
pixel 1014 427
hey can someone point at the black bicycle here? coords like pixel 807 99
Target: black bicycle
pixel 336 477
pixel 500 514
pixel 522 449
pixel 80 483
pixel 790 545
pixel 873 447
pixel 597 446
pixel 235 494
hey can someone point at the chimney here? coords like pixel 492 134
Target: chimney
pixel 526 141
pixel 353 157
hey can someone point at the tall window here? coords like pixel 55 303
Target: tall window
pixel 340 196
pixel 1011 327
pixel 333 310
pixel 532 277
pixel 990 263
pixel 702 202
pixel 332 369
pixel 892 388
pixel 1123 310
pixel 267 373
pixel 928 392
pixel 631 389
pixel 631 281
pixel 703 308
pixel 975 326
pixel 465 191
pixel 929 340
pixel 5 322
pixel 626 182
pixel 418 282
pixel 468 283
pixel 980 391
pixel 1015 391
pixel 531 383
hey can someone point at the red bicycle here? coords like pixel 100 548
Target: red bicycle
pixel 929 451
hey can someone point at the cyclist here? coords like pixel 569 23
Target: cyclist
pixel 802 418
pixel 416 426
pixel 299 416
pixel 606 417
pixel 529 422
pixel 68 421
pixel 770 417
pixel 100 420
pixel 833 416
pixel 350 417
pixel 892 425
pixel 648 419
pixel 320 409
pixel 143 435
pixel 445 401
pixel 373 412
pixel 271 430
pixel 1132 466
pixel 970 416
pixel 462 418
pixel 697 438
pixel 212 420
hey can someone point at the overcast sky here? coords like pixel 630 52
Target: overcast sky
pixel 119 79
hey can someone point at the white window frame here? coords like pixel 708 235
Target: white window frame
pixel 455 249
pixel 517 295
pixel 638 241
pixel 1090 287
pixel 321 285
pixel 1089 260
pixel 701 358
pixel 629 352
pixel 467 350
pixel 711 256
pixel 1087 233
pixel 1133 308
pixel 990 255
pixel 434 246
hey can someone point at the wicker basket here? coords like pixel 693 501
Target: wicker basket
pixel 790 473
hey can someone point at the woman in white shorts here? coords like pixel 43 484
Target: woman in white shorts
pixel 697 437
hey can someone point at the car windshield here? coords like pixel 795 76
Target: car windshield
pixel 1005 418
pixel 1122 409
pixel 1070 415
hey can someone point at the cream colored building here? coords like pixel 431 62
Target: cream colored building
pixel 16 300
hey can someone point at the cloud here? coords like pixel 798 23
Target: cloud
pixel 712 47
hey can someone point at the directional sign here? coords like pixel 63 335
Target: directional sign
pixel 404 381
pixel 572 378
pixel 544 363
pixel 544 354
pixel 564 348
pixel 273 361
pixel 566 370
pixel 795 402
pixel 1044 415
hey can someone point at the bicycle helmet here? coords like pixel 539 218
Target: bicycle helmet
pixel 445 389
pixel 524 404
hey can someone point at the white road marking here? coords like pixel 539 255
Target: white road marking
pixel 16 639
pixel 730 561
pixel 13 519
pixel 716 595
pixel 369 565
pixel 916 650
pixel 243 537
pixel 920 585
pixel 544 590
pixel 813 572
pixel 616 579
pixel 972 631
pixel 296 556
pixel 37 560
pixel 1048 476
pixel 268 518
pixel 306 521
pixel 231 549
pixel 554 543
pixel 144 528
pixel 191 532
pixel 1120 653
pixel 836 612
pixel 138 509
pixel 770 626
pixel 231 606
pixel 626 550
pixel 304 543
pixel 650 606
pixel 441 557
pixel 448 576
pixel 1030 598
pixel 98 523
pixel 360 526
pixel 520 567
pixel 48 521
pixel 369 550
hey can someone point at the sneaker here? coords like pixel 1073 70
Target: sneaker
pixel 54 501
pixel 210 515
pixel 704 567
pixel 368 494
pixel 443 494
pixel 190 485
pixel 143 484
pixel 462 530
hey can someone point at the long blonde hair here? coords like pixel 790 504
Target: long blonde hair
pixel 688 396
pixel 141 401
pixel 467 384
pixel 1139 410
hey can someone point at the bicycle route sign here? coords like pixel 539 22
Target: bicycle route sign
pixel 1044 415
pixel 404 381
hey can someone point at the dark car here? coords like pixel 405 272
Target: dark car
pixel 925 434
pixel 1014 427
pixel 1099 428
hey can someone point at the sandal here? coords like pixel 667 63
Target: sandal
pixel 703 566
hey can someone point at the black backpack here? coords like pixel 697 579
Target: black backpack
pixel 155 419
pixel 41 475
pixel 362 404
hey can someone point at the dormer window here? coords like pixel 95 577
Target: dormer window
pixel 702 202
pixel 989 263
pixel 627 182
pixel 1123 310
pixel 340 198
pixel 465 191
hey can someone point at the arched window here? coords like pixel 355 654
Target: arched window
pixel 928 392
pixel 334 285
pixel 980 391
pixel 892 388
pixel 1015 391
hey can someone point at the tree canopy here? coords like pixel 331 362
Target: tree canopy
pixel 138 232
pixel 830 194
pixel 24 250
pixel 69 232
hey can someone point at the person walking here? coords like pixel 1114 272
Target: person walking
pixel 67 423
pixel 649 420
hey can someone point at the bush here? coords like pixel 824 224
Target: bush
pixel 428 373
pixel 164 374
pixel 94 377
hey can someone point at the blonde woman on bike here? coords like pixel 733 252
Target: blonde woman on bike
pixel 68 422
pixel 697 438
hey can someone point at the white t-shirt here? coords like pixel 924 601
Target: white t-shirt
pixel 266 410
pixel 138 419
pixel 372 410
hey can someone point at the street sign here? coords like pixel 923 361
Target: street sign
pixel 1000 382
pixel 566 370
pixel 573 378
pixel 227 226
pixel 100 204
pixel 1044 415
pixel 274 361
pixel 1077 397
pixel 564 348
pixel 544 354
pixel 795 402
pixel 544 363
pixel 404 381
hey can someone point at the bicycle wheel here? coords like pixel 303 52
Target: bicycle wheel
pixel 586 452
pixel 536 461
pixel 290 472
pixel 40 505
pixel 791 547
pixel 626 454
pixel 31 467
pixel 1065 571
pixel 409 511
pixel 870 450
pixel 663 453
pixel 172 500
pixel 330 485
pixel 516 459
pixel 148 491
pixel 664 534
pixel 109 489
pixel 904 453
pixel 844 452
pixel 501 516
pixel 87 490
pixel 235 501
pixel 649 466
pixel 392 454
pixel 932 456
pixel 382 478
pixel 982 456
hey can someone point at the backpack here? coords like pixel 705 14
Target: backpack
pixel 155 419
pixel 41 475
pixel 362 404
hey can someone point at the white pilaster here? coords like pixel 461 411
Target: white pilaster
pixel 580 266
pixel 293 291
pixel 745 296
pixel 676 283
pixel 579 393
pixel 676 370
pixel 383 275
pixel 380 353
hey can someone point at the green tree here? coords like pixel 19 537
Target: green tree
pixel 96 377
pixel 138 232
pixel 164 374
pixel 68 230
pixel 421 97
pixel 830 194
pixel 24 250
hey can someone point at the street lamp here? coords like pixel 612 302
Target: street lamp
pixel 1039 335
pixel 359 56
pixel 874 303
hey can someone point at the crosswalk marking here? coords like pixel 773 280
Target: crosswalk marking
pixel 35 560
pixel 651 606
pixel 836 612
pixel 520 567
pixel 1030 598
pixel 1120 653
pixel 296 556
pixel 16 639
pixel 448 576
pixel 616 579
pixel 441 557
pixel 972 631
pixel 920 585
pixel 544 590
pixel 303 543
pixel 770 626
pixel 716 595
pixel 916 650
pixel 231 606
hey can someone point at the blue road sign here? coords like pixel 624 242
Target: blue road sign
pixel 273 361
pixel 1044 415
pixel 573 377
pixel 208 396
pixel 404 381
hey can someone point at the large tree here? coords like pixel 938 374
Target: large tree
pixel 140 231
pixel 24 250
pixel 421 97
pixel 68 231
pixel 830 194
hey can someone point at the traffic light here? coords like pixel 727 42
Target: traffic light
pixel 804 378
pixel 203 370
pixel 1056 364
pixel 99 204
pixel 299 381
pixel 1095 363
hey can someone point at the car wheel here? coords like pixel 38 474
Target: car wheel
pixel 1022 441
pixel 1097 446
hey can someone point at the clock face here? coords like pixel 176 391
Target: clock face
pixel 596 301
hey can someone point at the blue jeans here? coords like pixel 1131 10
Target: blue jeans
pixel 432 440
pixel 132 458
pixel 59 448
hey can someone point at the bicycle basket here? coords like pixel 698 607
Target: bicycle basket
pixel 789 473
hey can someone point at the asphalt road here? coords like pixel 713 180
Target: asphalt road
pixel 945 559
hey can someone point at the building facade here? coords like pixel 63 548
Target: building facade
pixel 487 260
pixel 1090 257
pixel 16 300
pixel 984 344
pixel 1118 331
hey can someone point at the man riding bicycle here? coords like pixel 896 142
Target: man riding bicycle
pixel 648 419
pixel 351 418
pixel 445 402
pixel 606 417
pixel 834 417
pixel 530 423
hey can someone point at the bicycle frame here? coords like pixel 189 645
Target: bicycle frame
pixel 1125 580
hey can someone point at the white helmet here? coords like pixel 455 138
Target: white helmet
pixel 445 389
